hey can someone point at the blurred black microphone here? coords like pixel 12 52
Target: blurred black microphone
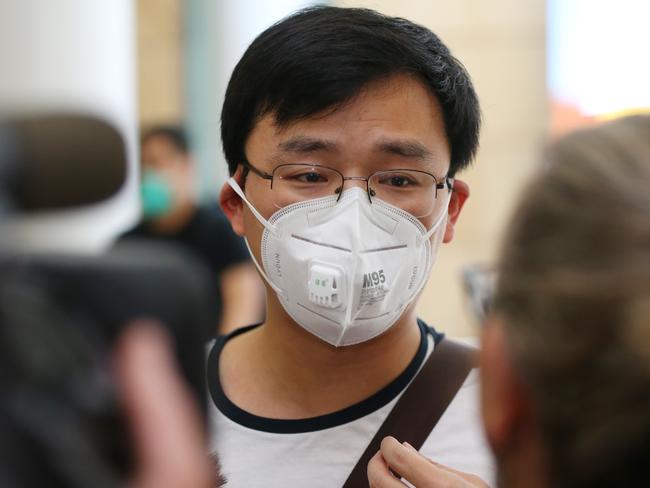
pixel 61 160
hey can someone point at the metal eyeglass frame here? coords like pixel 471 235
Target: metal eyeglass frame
pixel 339 191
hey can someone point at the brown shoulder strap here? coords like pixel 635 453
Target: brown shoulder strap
pixel 418 410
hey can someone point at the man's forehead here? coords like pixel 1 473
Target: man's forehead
pixel 411 148
pixel 160 142
pixel 398 116
pixel 397 89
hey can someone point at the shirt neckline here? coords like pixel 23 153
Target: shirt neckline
pixel 321 422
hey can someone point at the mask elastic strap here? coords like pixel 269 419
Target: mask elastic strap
pixel 271 228
pixel 235 186
pixel 261 271
pixel 437 223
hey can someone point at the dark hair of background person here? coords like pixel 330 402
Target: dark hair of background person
pixel 574 295
pixel 321 57
pixel 173 133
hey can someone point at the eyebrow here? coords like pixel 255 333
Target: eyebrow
pixel 305 144
pixel 408 148
pixel 405 148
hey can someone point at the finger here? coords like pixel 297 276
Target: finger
pixel 164 421
pixel 428 459
pixel 470 479
pixel 411 465
pixel 475 480
pixel 379 476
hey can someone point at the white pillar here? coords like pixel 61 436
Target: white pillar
pixel 72 55
pixel 217 33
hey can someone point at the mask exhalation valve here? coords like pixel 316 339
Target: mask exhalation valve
pixel 325 284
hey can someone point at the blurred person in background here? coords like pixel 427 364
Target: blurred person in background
pixel 172 216
pixel 566 351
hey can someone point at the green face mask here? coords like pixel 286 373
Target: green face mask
pixel 156 195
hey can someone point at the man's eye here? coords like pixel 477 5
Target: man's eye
pixel 397 181
pixel 311 177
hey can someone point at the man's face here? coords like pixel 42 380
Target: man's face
pixel 393 124
pixel 163 158
pixel 159 153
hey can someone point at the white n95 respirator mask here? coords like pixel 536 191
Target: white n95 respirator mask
pixel 345 271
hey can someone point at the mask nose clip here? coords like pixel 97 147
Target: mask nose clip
pixel 367 190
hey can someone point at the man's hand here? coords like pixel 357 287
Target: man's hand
pixel 166 431
pixel 396 461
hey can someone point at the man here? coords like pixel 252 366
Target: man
pixel 343 130
pixel 172 216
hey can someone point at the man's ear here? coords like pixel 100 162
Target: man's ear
pixel 459 196
pixel 232 204
pixel 505 402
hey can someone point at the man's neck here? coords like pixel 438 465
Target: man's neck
pixel 296 375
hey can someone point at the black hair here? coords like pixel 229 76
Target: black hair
pixel 320 57
pixel 173 133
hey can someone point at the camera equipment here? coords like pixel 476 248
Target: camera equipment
pixel 59 160
pixel 60 423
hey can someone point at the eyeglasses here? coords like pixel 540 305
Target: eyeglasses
pixel 415 191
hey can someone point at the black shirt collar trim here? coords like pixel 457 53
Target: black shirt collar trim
pixel 334 419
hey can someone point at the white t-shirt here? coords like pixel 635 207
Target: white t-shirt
pixel 322 451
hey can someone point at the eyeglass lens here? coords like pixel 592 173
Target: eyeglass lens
pixel 410 190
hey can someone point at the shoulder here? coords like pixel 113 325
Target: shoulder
pixel 211 218
pixel 213 232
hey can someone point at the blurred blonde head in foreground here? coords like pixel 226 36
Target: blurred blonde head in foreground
pixel 566 397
